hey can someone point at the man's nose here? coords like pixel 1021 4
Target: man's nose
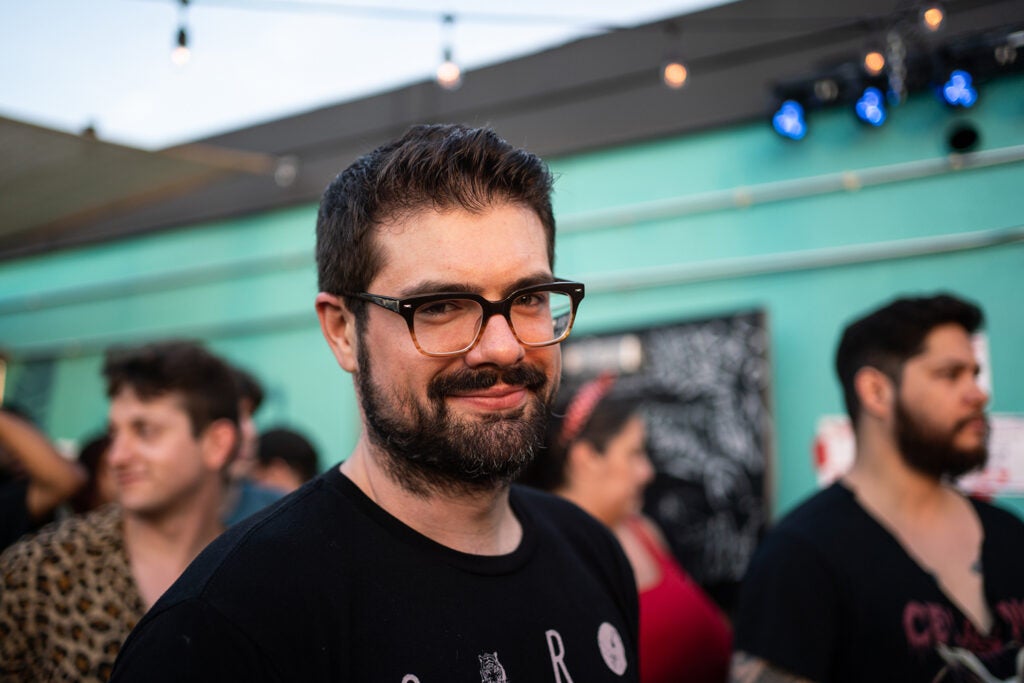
pixel 118 451
pixel 497 345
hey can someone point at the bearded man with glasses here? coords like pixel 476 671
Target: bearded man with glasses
pixel 416 560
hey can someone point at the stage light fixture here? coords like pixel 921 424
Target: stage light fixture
pixel 959 90
pixel 789 120
pixel 874 62
pixel 674 74
pixel 932 17
pixel 870 107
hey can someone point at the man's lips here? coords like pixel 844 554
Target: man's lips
pixel 976 424
pixel 127 478
pixel 498 397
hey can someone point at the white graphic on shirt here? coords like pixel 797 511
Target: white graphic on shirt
pixel 557 650
pixel 409 678
pixel 491 670
pixel 614 652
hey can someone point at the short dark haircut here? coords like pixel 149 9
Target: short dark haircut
pixel 290 447
pixel 601 423
pixel 438 167
pixel 205 382
pixel 888 337
pixel 249 388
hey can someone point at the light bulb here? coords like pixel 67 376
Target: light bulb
pixel 674 74
pixel 932 17
pixel 449 75
pixel 181 54
pixel 874 62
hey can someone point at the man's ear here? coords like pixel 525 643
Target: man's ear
pixel 338 325
pixel 219 442
pixel 876 392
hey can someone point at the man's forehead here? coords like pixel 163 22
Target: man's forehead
pixel 432 250
pixel 948 343
pixel 128 403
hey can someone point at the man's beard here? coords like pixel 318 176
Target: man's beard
pixel 933 453
pixel 427 450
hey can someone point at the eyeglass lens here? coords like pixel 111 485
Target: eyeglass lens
pixel 453 324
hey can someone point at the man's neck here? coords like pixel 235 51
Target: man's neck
pixel 477 522
pixel 882 479
pixel 160 547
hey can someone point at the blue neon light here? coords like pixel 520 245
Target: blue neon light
pixel 958 91
pixel 789 120
pixel 871 107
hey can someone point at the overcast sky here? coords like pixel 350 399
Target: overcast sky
pixel 71 63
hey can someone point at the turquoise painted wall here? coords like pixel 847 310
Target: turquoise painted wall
pixel 661 231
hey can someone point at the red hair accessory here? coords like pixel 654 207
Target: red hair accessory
pixel 582 406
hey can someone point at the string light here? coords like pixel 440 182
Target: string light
pixel 874 62
pixel 181 54
pixel 449 74
pixel 674 74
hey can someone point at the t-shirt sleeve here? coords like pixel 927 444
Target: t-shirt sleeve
pixel 788 608
pixel 190 641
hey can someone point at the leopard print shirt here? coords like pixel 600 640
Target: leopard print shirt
pixel 67 601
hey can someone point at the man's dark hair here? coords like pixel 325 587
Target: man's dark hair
pixel 290 447
pixel 205 382
pixel 249 388
pixel 438 167
pixel 891 335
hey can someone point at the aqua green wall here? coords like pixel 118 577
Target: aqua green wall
pixel 661 231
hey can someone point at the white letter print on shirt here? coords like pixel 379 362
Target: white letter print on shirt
pixel 557 650
pixel 614 652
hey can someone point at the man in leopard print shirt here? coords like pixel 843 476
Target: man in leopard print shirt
pixel 70 595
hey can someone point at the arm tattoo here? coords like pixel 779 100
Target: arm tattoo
pixel 749 669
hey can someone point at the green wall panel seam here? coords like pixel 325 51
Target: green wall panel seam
pixel 784 190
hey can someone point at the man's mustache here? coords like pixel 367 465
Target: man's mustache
pixel 458 381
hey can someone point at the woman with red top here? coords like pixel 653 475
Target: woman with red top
pixel 595 457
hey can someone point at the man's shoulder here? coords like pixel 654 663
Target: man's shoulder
pixel 829 525
pixel 1002 530
pixel 821 514
pixel 554 513
pixel 266 546
pixel 557 521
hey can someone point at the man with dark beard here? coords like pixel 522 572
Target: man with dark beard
pixel 416 560
pixel 891 573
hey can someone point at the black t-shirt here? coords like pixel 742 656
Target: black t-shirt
pixel 327 586
pixel 832 596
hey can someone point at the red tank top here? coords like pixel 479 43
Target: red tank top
pixel 683 634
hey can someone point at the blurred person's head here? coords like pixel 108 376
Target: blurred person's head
pixel 285 459
pixel 910 369
pixel 595 452
pixel 250 398
pixel 173 424
pixel 100 487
